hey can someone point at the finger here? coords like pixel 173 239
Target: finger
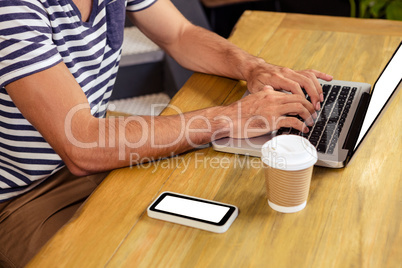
pixel 314 81
pixel 302 81
pixel 319 89
pixel 322 75
pixel 292 122
pixel 293 99
pixel 296 108
pixel 291 86
pixel 310 83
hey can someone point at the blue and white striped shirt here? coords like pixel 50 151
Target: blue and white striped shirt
pixel 36 35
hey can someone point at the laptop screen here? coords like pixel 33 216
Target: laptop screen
pixel 383 90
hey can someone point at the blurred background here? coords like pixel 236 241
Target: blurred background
pixel 223 14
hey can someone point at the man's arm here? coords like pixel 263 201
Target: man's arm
pixel 53 102
pixel 203 51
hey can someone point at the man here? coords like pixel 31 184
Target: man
pixel 58 62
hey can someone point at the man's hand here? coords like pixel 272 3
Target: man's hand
pixel 265 111
pixel 263 74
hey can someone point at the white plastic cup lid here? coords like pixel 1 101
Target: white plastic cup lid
pixel 289 153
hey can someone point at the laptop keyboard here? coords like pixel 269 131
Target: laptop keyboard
pixel 325 132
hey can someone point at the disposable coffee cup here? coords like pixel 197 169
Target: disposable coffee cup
pixel 288 166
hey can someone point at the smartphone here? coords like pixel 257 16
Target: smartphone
pixel 194 212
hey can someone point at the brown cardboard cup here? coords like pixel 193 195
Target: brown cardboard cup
pixel 288 166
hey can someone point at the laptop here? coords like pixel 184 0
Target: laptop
pixel 348 113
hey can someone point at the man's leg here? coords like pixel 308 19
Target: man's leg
pixel 29 221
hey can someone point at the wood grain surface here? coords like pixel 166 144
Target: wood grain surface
pixel 353 215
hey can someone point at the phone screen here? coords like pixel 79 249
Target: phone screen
pixel 193 208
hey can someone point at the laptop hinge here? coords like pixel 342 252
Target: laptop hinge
pixel 357 123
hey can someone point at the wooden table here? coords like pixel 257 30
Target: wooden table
pixel 353 215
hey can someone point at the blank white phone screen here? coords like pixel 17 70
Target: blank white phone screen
pixel 194 209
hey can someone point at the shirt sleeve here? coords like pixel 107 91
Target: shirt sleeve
pixel 137 5
pixel 26 44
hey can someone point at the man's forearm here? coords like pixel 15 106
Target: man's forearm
pixel 117 142
pixel 105 144
pixel 193 47
pixel 203 51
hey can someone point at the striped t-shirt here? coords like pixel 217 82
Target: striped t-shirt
pixel 36 35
